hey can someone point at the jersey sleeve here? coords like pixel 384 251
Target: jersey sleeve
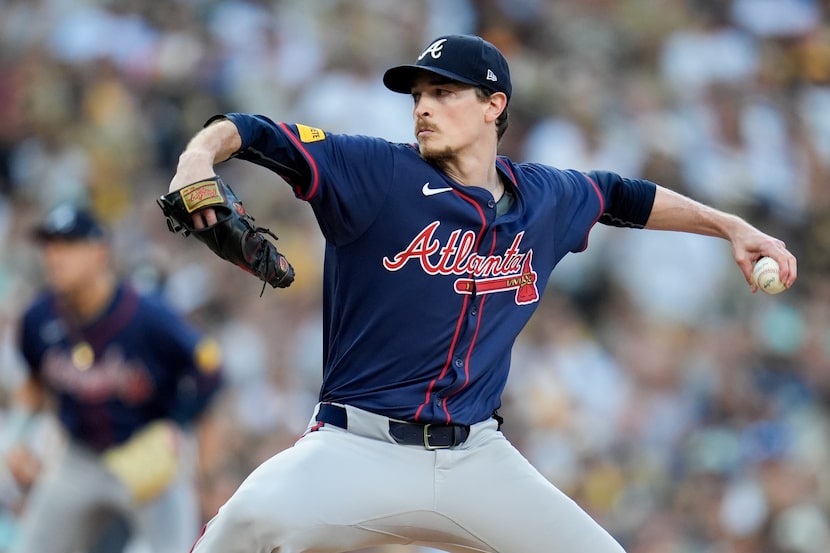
pixel 345 178
pixel 265 144
pixel 193 356
pixel 628 202
pixel 26 344
pixel 584 199
pixel 29 343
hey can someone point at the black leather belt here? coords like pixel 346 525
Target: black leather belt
pixel 429 436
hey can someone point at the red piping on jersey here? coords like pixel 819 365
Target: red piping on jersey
pixel 461 316
pixel 98 334
pixel 601 209
pixel 105 328
pixel 315 175
pixel 507 170
pixel 466 360
pixel 447 364
pixel 472 343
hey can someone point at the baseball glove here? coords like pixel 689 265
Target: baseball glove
pixel 148 462
pixel 234 236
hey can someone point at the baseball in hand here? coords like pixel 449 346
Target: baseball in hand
pixel 766 275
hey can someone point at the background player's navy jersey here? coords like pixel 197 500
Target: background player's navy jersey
pixel 137 362
pixel 399 231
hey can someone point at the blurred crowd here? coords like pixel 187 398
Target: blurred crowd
pixel 686 414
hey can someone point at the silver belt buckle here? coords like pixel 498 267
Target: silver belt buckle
pixel 428 445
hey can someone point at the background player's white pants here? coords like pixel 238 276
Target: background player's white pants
pixel 72 503
pixel 337 491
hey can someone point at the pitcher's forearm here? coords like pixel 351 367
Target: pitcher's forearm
pixel 673 211
pixel 214 144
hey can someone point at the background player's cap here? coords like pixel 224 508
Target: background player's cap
pixel 467 59
pixel 69 222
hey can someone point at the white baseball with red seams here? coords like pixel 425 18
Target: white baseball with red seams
pixel 766 274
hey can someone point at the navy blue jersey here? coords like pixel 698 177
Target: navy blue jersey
pixel 425 287
pixel 137 362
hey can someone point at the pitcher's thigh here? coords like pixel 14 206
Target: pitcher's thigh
pixel 499 496
pixel 317 495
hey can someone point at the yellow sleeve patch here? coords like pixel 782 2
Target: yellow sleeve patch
pixel 208 356
pixel 310 134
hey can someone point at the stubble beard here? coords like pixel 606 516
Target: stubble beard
pixel 441 158
pixel 438 156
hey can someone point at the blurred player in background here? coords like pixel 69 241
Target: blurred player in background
pixel 128 379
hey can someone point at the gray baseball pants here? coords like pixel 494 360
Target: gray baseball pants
pixel 75 501
pixel 340 490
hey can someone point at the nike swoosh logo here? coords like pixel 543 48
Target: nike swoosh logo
pixel 431 191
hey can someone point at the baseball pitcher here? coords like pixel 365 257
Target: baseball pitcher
pixel 437 254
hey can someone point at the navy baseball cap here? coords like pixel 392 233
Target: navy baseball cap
pixel 468 59
pixel 70 223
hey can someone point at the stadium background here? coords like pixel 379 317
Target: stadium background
pixel 686 414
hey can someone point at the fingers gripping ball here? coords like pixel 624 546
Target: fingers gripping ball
pixel 233 237
pixel 766 275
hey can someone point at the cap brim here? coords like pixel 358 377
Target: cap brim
pixel 40 234
pixel 401 78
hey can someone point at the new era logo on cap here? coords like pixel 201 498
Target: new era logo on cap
pixel 467 59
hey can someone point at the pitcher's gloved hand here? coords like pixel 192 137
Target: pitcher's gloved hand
pixel 234 236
